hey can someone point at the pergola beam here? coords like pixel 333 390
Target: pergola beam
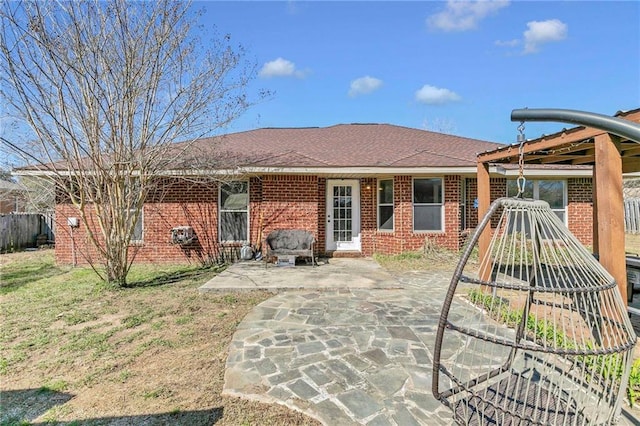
pixel 630 150
pixel 589 145
pixel 545 143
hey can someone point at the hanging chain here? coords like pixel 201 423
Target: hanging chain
pixel 521 179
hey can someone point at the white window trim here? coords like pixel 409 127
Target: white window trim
pixel 565 195
pixel 441 204
pixel 220 210
pixel 393 213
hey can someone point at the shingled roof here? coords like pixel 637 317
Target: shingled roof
pixel 376 147
pixel 346 145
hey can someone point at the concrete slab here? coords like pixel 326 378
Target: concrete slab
pixel 332 274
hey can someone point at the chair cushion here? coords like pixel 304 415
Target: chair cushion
pixel 290 239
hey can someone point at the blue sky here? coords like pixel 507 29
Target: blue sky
pixel 455 67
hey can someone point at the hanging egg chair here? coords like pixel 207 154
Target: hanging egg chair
pixel 536 331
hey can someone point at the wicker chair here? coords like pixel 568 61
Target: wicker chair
pixel 537 332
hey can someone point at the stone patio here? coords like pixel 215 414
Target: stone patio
pixel 341 354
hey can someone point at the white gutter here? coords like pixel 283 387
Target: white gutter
pixel 330 171
pixel 289 170
pixel 550 172
pixel 351 171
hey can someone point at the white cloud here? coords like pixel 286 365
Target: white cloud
pixel 435 95
pixel 464 15
pixel 507 43
pixel 280 68
pixel 541 32
pixel 364 85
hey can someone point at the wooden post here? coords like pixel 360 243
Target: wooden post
pixel 610 210
pixel 484 201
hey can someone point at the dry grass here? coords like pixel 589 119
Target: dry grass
pixel 76 351
pixel 430 258
pixel 433 258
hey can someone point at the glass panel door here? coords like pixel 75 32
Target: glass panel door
pixel 343 215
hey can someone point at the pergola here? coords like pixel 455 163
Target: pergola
pixel 610 152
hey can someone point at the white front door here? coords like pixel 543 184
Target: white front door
pixel 343 215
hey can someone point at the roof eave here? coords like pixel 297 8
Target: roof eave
pixel 327 171
pixel 361 171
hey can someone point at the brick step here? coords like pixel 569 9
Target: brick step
pixel 347 254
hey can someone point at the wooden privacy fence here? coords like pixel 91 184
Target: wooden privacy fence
pixel 20 230
pixel 632 215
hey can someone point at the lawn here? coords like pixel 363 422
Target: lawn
pixel 75 350
pixel 430 258
pixel 433 258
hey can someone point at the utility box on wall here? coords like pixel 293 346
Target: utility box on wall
pixel 182 235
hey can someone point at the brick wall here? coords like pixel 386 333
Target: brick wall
pixel 299 202
pixel 580 209
pixel 368 213
pixel 579 205
pixel 256 215
pixel 498 189
pixel 67 237
pixel 403 238
pixel 179 203
pixel 290 202
pixel 471 193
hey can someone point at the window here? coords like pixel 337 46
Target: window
pixel 551 191
pixel 137 235
pixel 385 204
pixel 427 204
pixel 131 192
pixel 234 211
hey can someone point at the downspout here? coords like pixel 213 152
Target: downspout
pixel 74 259
pixel 614 125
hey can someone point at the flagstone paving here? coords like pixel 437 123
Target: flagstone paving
pixel 346 356
pixel 352 356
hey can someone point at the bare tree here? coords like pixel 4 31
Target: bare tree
pixel 439 125
pixel 6 175
pixel 107 88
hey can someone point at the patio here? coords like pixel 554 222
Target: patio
pixel 346 342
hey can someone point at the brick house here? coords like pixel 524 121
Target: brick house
pixel 359 188
pixel 13 197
